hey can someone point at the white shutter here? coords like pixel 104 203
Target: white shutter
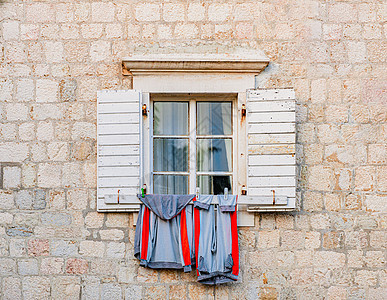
pixel 271 147
pixel 118 149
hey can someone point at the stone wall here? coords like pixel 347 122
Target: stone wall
pixel 55 55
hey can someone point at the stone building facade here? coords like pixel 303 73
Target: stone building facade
pixel 55 55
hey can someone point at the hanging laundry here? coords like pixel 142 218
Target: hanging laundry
pixel 164 232
pixel 172 234
pixel 216 240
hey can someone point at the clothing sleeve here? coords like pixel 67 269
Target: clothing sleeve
pixel 227 204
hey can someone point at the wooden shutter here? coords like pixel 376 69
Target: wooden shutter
pixel 271 146
pixel 118 150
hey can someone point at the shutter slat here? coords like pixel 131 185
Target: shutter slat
pixel 271 128
pixel 119 139
pixel 118 163
pixel 264 171
pixel 262 106
pixel 127 118
pixel 119 160
pixel 118 129
pixel 274 117
pixel 271 160
pixel 271 144
pixel 284 138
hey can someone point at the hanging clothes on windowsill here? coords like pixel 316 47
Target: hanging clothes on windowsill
pixel 164 235
pixel 172 234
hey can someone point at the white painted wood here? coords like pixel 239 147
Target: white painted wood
pixel 275 138
pixel 271 146
pixel 118 146
pixel 271 106
pixel 254 127
pixel 273 117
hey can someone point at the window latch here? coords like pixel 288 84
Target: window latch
pixel 144 111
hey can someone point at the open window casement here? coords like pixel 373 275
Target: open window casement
pixel 263 172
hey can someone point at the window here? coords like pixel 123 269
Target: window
pixel 192 122
pixel 193 141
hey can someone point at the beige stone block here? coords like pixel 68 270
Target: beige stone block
pixel 69 31
pixel 342 12
pixel 81 11
pixel 376 51
pixel 133 31
pixel 301 277
pixel 173 12
pixel 46 90
pixel 91 30
pixel 292 239
pixel 164 32
pixel 337 293
pixel 16 52
pixel 356 51
pixel 320 178
pixel 11 30
pixel 223 31
pixel 244 31
pixel 376 203
pixel 13 152
pixel 268 239
pixel 378 239
pixel 102 11
pixel 92 249
pixel 117 220
pixel 319 52
pixel 49 175
pixel 115 250
pixel 313 201
pixel 320 221
pixel 316 113
pixel 51 265
pixel 77 199
pixel 11 288
pixel 8 132
pixel 66 287
pixel 100 50
pixel 16 112
pixel 353 202
pixel 113 31
pixel 40 13
pixel 111 234
pixel 58 151
pixel 90 175
pixel 72 175
pixel 332 31
pixel 372 31
pixel 186 31
pixel 64 12
pixel 329 259
pixel 366 278
pixel 177 292
pixel 381 178
pixel 147 12
pixel 318 90
pixel 374 259
pixel 219 12
pixel 365 178
pixel 45 131
pixel 27 131
pixel 36 287
pixel 377 154
pixel 332 202
pixel 360 113
pixel 6 199
pixel 94 220
pixel 336 114
pixel 196 12
pixel 83 130
pixel 307 133
pixel 147 275
pixel 313 154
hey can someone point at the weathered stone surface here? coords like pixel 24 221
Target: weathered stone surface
pixel 66 287
pixel 56 219
pixel 36 288
pixel 19 231
pixel 38 248
pixel 76 266
pixel 27 267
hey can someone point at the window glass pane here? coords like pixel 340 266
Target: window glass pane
pixel 170 118
pixel 214 155
pixel 214 185
pixel 170 155
pixel 170 184
pixel 214 118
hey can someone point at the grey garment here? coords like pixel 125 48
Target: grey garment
pixel 215 244
pixel 203 201
pixel 164 241
pixel 227 203
pixel 166 206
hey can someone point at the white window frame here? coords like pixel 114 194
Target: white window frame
pixel 192 99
